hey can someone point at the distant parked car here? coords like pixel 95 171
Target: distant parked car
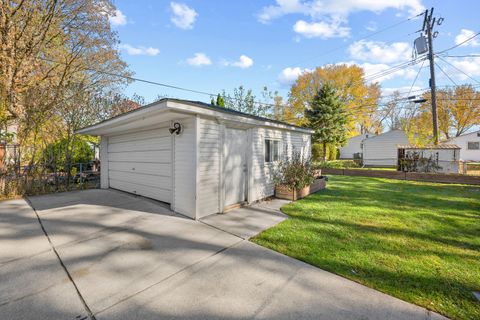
pixel 86 176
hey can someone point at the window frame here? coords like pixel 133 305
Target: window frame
pixel 272 151
pixel 477 143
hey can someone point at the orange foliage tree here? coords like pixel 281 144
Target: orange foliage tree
pixel 359 97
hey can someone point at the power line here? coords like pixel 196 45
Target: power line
pixel 359 39
pixel 462 56
pixel 414 81
pixel 453 66
pixel 393 69
pixel 446 74
pixel 459 44
pixel 158 83
pixel 356 108
pixel 396 68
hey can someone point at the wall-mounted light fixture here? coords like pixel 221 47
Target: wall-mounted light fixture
pixel 177 128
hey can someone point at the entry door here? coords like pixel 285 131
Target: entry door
pixel 235 167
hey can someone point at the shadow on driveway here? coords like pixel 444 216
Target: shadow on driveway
pixel 132 258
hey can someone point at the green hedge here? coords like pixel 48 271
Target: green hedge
pixel 338 164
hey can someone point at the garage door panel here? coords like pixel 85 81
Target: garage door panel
pixel 140 135
pixel 148 180
pixel 159 156
pixel 156 143
pixel 159 194
pixel 141 163
pixel 162 169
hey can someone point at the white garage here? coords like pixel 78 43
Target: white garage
pixel 199 158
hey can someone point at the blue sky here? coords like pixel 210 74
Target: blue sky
pixel 221 44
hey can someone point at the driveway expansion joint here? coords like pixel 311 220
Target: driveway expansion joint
pixel 62 264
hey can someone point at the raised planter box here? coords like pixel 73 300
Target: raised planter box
pixel 284 192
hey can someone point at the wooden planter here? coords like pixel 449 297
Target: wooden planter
pixel 284 192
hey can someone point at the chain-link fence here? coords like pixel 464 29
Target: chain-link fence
pixel 32 180
pixel 421 164
pixel 20 177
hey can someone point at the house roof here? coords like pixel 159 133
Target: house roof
pixel 440 146
pixel 363 134
pixel 465 134
pixel 200 108
pixel 383 134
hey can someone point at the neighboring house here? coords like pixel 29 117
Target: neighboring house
pixel 354 146
pixel 381 150
pixel 199 158
pixel 470 146
pixel 445 156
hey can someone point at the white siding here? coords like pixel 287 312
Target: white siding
pixel 382 150
pixel 104 162
pixel 462 142
pixel 261 174
pixel 209 157
pixel 184 164
pixel 354 145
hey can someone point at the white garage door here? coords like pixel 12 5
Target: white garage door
pixel 141 163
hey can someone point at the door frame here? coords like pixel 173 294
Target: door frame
pixel 248 152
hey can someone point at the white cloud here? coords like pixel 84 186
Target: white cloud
pixel 470 66
pixel 321 8
pixel 139 51
pixel 371 26
pixel 321 29
pixel 199 59
pixel 335 12
pixel 464 35
pixel 243 62
pixel 289 75
pixel 282 7
pixel 380 51
pixel 118 18
pixel 183 16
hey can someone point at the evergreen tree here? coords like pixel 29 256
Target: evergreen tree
pixel 326 115
pixel 212 101
pixel 220 101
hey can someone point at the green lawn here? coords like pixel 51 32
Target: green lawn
pixel 417 241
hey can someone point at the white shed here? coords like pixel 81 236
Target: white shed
pixel 445 156
pixel 381 150
pixel 354 146
pixel 199 158
pixel 469 144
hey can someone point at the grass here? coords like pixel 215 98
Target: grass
pixel 417 241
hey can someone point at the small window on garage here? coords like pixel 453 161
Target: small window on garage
pixel 473 145
pixel 272 150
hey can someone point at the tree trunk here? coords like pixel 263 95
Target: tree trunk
pixel 324 151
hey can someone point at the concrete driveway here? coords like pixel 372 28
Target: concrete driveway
pixel 110 255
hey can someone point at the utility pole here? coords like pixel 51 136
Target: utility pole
pixel 428 24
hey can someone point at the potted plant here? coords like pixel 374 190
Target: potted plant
pixel 295 178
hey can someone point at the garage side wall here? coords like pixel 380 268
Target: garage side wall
pixel 184 164
pixel 381 150
pixel 261 177
pixel 209 157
